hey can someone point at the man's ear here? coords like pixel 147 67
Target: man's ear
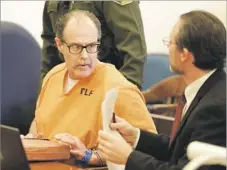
pixel 185 55
pixel 58 44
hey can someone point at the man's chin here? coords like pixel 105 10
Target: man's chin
pixel 82 75
pixel 173 70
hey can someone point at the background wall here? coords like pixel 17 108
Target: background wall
pixel 25 13
pixel 158 17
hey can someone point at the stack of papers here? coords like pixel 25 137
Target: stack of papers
pixel 107 114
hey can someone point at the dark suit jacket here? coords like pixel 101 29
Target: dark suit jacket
pixel 204 121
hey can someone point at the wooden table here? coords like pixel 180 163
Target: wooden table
pixel 60 166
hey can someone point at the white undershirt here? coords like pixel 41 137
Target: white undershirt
pixel 70 83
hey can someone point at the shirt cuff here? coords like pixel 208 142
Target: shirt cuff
pixel 137 138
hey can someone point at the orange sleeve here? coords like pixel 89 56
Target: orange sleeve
pixel 130 105
pixel 42 90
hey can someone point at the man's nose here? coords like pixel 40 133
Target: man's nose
pixel 84 54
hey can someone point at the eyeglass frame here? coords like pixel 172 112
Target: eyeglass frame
pixel 166 41
pixel 82 47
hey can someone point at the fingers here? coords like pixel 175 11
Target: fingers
pixel 117 126
pixel 78 143
pixel 63 143
pixel 75 153
pixel 66 138
pixel 105 149
pixel 102 151
pixel 105 136
pixel 118 119
pixel 106 140
pixel 29 135
pixel 22 136
pixel 32 136
pixel 60 135
pixel 38 136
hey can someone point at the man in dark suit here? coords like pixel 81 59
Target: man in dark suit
pixel 197 50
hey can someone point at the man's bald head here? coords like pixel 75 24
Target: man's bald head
pixel 77 17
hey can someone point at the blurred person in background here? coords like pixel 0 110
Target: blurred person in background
pixel 122 41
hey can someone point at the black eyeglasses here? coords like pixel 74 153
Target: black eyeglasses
pixel 77 48
pixel 167 42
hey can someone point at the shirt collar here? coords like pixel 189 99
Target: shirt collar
pixel 192 89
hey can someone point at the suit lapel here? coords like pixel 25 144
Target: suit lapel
pixel 208 84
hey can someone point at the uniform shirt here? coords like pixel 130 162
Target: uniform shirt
pixel 122 42
pixel 78 112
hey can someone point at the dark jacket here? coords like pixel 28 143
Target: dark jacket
pixel 204 121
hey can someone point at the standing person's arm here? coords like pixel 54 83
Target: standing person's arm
pixel 125 22
pixel 168 87
pixel 50 54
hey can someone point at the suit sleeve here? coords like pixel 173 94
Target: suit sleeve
pixel 50 55
pixel 126 24
pixel 210 128
pixel 159 142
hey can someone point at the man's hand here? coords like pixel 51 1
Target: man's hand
pixel 77 147
pixel 113 149
pixel 127 131
pixel 32 136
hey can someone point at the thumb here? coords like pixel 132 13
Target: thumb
pixel 118 119
pixel 22 136
pixel 29 135
pixel 117 126
pixel 39 135
pixel 77 154
pixel 74 152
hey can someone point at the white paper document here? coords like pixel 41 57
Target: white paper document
pixel 107 114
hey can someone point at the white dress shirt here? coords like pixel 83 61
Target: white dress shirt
pixel 190 93
pixel 192 89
